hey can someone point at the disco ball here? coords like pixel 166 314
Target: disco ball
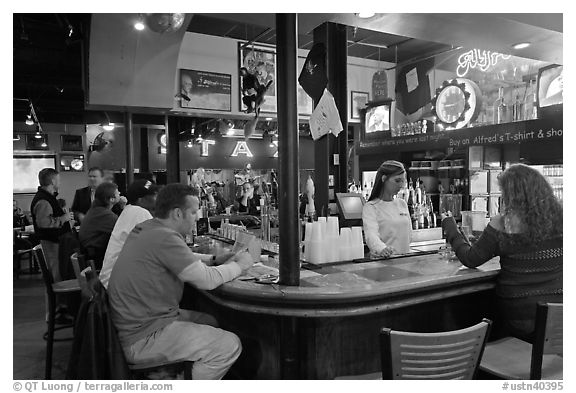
pixel 164 23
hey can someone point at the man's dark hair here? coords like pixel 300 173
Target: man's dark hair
pixel 96 168
pixel 46 175
pixel 104 192
pixel 172 196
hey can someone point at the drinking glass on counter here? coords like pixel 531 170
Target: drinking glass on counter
pixel 445 252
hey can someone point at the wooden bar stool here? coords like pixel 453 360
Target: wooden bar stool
pixel 52 290
pixel 512 358
pixel 429 356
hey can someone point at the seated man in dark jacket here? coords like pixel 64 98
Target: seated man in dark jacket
pixel 98 223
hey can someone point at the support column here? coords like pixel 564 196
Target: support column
pixel 334 38
pixel 144 152
pixel 288 149
pixel 172 150
pixel 129 148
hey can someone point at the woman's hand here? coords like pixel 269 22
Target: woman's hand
pixel 384 253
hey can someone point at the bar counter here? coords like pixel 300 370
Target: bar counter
pixel 328 326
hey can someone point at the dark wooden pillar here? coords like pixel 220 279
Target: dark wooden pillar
pixel 288 149
pixel 144 152
pixel 129 148
pixel 334 38
pixel 172 150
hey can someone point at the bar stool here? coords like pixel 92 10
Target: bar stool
pixel 52 290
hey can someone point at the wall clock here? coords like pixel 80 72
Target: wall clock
pixel 456 103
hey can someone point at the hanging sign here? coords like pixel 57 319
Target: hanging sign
pixel 379 85
pixel 241 148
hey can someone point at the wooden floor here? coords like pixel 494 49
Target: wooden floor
pixel 29 326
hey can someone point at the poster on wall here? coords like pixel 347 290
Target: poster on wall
pixel 261 62
pixel 205 90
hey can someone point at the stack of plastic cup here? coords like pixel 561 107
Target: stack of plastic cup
pixel 307 238
pixel 316 244
pixel 357 244
pixel 344 244
pixel 331 240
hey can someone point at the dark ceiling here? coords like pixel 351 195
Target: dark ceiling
pixel 362 43
pixel 48 65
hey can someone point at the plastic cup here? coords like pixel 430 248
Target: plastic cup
pixel 228 210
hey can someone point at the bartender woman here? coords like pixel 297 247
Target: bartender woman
pixel 387 225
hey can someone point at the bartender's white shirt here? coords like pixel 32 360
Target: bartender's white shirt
pixel 131 216
pixel 387 223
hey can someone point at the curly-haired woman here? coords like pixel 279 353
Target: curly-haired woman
pixel 527 236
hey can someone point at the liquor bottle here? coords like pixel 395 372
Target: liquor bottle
pixel 500 107
pixel 530 107
pixel 418 192
pixel 421 217
pixel 517 109
pixel 410 202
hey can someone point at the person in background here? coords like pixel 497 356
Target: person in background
pixel 19 218
pixel 99 223
pixel 527 235
pixel 48 218
pixel 84 197
pixel 387 225
pixel 249 202
pixel 141 200
pixel 219 199
pixel 147 283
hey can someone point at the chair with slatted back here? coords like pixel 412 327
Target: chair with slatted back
pixel 53 289
pixel 429 356
pixel 512 358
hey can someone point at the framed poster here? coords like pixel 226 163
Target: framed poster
pixel 261 61
pixel 72 162
pixel 358 101
pixel 71 143
pixel 33 143
pixel 205 90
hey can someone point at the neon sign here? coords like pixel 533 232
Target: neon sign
pixel 241 148
pixel 205 143
pixel 477 58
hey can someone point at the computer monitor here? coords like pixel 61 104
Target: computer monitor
pixel 350 208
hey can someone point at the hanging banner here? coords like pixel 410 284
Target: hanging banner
pixel 379 85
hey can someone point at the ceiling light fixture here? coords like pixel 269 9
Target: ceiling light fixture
pixel 189 144
pixel 29 121
pixel 139 25
pixel 521 45
pixel 44 144
pixel 365 15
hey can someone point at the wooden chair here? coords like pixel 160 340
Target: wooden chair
pixel 512 358
pixel 52 290
pixel 80 265
pixel 427 356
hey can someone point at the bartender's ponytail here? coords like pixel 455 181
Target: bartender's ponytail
pixel 388 168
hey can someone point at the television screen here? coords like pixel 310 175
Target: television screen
pixel 550 86
pixel 350 205
pixel 26 169
pixel 377 119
